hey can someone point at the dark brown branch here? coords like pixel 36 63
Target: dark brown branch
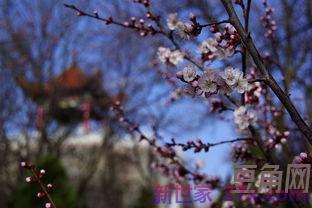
pixel 215 23
pixel 110 20
pixel 198 146
pixel 168 35
pixel 244 51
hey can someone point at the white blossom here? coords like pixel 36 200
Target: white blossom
pixel 242 85
pixel 218 36
pixel 175 57
pixel 235 79
pixel 207 82
pixel 183 30
pixel 189 73
pixel 244 118
pixel 163 54
pixel 223 87
pixel 221 53
pixel 231 75
pixel 209 45
pixel 173 21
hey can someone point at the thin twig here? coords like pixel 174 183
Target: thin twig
pixel 38 180
pixel 215 23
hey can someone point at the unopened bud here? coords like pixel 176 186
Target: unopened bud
pixel 149 15
pixel 79 14
pixel 40 194
pixel 29 179
pixel 48 205
pixel 23 164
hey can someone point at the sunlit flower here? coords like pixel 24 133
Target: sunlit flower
pixel 184 30
pixel 189 73
pixel 173 21
pixel 218 36
pixel 235 79
pixel 210 45
pixel 175 57
pixel 163 54
pixel 244 118
pixel 222 53
pixel 207 82
pixel 242 85
pixel 231 75
pixel 224 88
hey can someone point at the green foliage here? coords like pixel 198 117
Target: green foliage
pixel 63 194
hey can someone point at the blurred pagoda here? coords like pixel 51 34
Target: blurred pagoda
pixel 71 97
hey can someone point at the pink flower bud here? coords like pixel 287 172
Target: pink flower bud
pixel 49 186
pixel 179 74
pixel 303 155
pixel 283 140
pixel 28 179
pixel 149 15
pixel 143 33
pixel 192 17
pixel 297 159
pixel 23 164
pixel 40 194
pixel 79 14
pixel 48 205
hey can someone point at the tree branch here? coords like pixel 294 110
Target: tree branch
pixel 269 80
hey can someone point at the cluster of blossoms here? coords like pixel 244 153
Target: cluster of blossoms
pixel 222 45
pixel 165 55
pixel 268 23
pixel 212 81
pixel 303 158
pixel 276 138
pixel 244 118
pixel 184 30
pixel 36 178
